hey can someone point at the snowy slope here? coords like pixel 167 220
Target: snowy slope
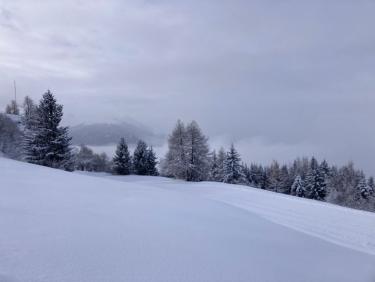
pixel 59 226
pixel 340 225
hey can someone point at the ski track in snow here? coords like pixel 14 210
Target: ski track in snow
pixel 354 230
pixel 340 225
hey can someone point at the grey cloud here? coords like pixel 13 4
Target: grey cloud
pixel 296 76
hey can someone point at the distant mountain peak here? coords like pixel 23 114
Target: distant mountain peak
pixel 110 133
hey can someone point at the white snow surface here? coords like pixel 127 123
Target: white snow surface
pixel 61 226
pixel 355 230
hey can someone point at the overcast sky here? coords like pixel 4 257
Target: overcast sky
pixel 278 78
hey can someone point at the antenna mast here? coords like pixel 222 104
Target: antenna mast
pixel 15 91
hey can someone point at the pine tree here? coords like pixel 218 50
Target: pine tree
pixel 315 183
pixel 221 156
pixel 362 187
pixel 274 177
pixel 232 167
pixel 121 160
pixel 299 167
pixel 325 169
pixel 140 158
pixel 47 143
pixel 197 153
pixel 248 177
pixel 217 165
pixel 30 122
pixel 324 175
pixel 298 188
pixel 265 179
pixel 213 166
pixel 285 180
pixel 371 186
pixel 256 175
pixel 10 136
pixel 175 163
pixel 151 162
pixel 343 186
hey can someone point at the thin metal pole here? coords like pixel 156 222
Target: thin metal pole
pixel 15 91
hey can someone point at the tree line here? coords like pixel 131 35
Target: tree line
pixel 40 139
pixel 190 159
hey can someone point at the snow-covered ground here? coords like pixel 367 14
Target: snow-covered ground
pixel 60 226
pixel 355 230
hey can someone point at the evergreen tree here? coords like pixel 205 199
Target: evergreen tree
pixel 256 175
pixel 151 162
pixel 300 167
pixel 315 182
pixel 298 188
pixel 213 166
pixel 217 166
pixel 325 169
pixel 30 122
pixel 371 185
pixel 275 177
pixel 175 163
pixel 10 136
pixel 343 186
pixel 197 153
pixel 265 180
pixel 285 181
pixel 221 156
pixel 293 170
pixel 140 159
pixel 121 160
pixel 362 187
pixel 248 177
pixel 232 167
pixel 325 173
pixel 47 143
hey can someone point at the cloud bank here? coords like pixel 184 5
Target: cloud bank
pixel 279 78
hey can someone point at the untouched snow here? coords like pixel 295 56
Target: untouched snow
pixel 59 226
pixel 344 226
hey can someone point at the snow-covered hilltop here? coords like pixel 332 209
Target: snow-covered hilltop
pixel 61 226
